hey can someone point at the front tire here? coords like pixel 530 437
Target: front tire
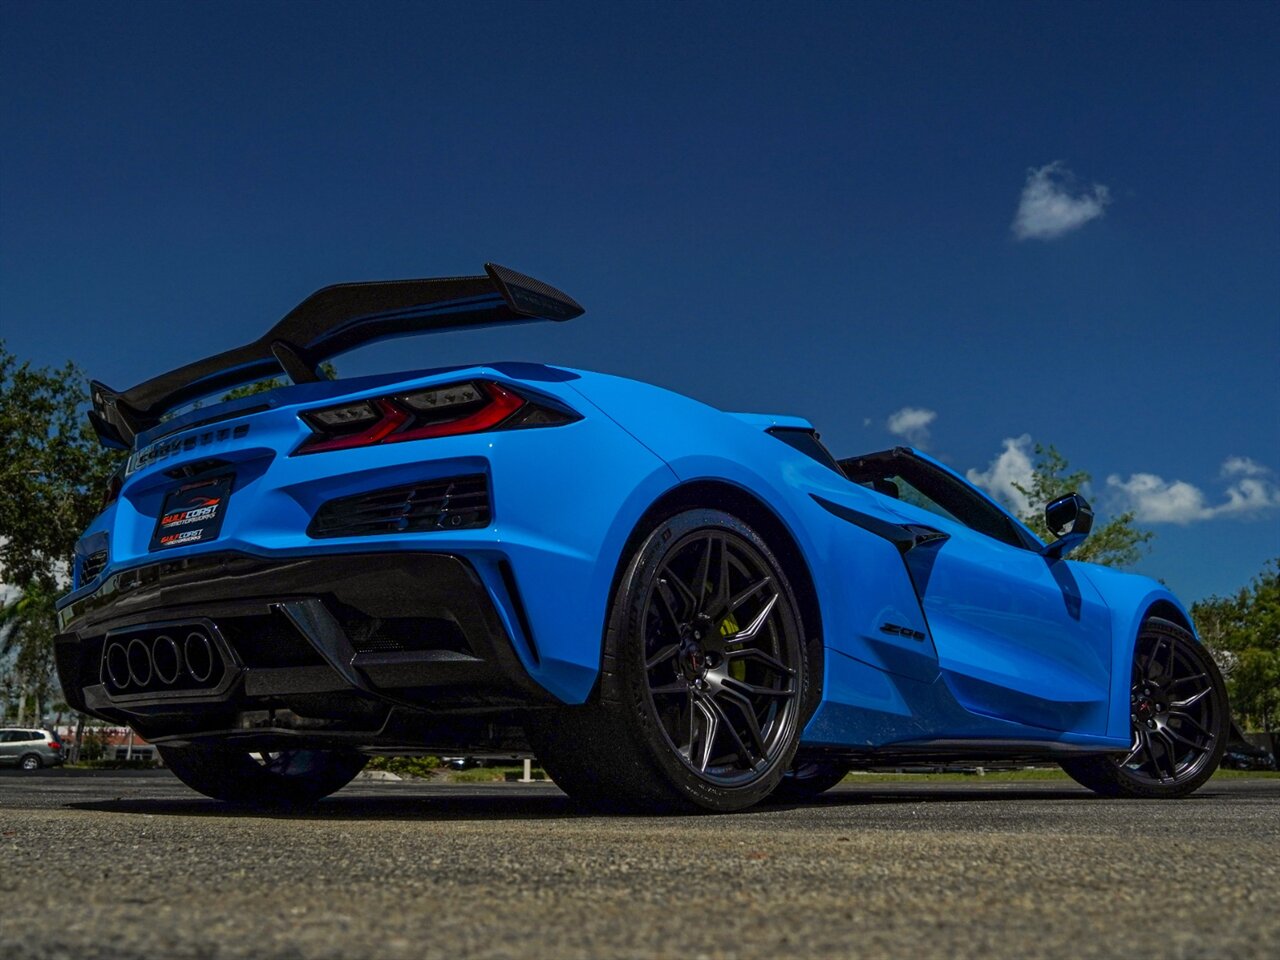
pixel 706 680
pixel 290 778
pixel 1180 721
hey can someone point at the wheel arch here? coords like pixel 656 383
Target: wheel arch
pixel 746 506
pixel 1167 610
pixel 1131 609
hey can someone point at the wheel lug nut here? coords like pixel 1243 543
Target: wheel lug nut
pixel 1151 723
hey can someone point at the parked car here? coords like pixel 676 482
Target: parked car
pixel 1245 756
pixel 29 749
pixel 671 606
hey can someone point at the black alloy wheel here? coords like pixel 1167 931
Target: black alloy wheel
pixel 1179 720
pixel 286 778
pixel 706 680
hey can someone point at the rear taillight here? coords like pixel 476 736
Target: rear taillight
pixel 447 411
pixel 54 745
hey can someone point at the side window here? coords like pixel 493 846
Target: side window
pixel 905 477
pixel 7 736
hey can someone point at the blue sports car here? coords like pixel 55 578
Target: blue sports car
pixel 671 606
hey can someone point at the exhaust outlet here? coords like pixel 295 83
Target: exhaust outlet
pixel 197 650
pixel 138 657
pixel 165 659
pixel 169 661
pixel 117 666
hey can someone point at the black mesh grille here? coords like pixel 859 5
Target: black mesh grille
pixel 455 503
pixel 92 565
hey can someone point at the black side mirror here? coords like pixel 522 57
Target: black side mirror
pixel 1070 519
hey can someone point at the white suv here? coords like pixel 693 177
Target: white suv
pixel 29 749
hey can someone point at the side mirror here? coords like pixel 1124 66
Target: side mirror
pixel 1070 519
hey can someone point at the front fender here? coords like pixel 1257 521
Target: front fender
pixel 1131 599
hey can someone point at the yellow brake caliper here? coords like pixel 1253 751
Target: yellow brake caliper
pixel 728 627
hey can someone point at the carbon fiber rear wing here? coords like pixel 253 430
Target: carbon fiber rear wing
pixel 332 321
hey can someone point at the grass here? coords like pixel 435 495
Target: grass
pixel 492 774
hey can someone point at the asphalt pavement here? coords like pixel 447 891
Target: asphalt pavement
pixel 122 865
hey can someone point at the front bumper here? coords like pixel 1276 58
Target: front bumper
pixel 335 642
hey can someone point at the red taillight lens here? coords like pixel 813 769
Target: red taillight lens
pixel 54 745
pixel 447 411
pixel 386 418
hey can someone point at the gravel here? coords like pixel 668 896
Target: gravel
pixel 123 865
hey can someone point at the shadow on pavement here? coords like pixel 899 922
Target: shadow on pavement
pixel 444 803
pixel 424 807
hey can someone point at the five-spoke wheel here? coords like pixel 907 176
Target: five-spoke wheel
pixel 706 681
pixel 1178 715
pixel 720 662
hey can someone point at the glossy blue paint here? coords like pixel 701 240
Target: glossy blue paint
pixel 964 638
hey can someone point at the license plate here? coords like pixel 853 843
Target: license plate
pixel 192 513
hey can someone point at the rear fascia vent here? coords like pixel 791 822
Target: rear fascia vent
pixel 452 503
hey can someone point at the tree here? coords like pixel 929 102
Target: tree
pixel 1116 543
pixel 26 641
pixel 327 370
pixel 53 472
pixel 1244 633
pixel 52 469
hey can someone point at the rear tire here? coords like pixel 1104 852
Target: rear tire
pixel 31 762
pixel 291 778
pixel 706 679
pixel 1180 721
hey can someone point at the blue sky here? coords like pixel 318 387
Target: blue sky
pixel 1058 222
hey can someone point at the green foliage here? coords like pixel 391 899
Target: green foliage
pixel 1116 543
pixel 52 472
pixel 406 766
pixel 52 469
pixel 327 370
pixel 26 645
pixel 1244 632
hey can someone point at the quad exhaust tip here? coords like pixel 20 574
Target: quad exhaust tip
pixel 198 651
pixel 133 665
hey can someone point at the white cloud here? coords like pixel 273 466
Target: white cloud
pixel 1243 467
pixel 912 423
pixel 1053 203
pixel 1010 470
pixel 1156 500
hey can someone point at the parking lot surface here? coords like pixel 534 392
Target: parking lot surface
pixel 135 865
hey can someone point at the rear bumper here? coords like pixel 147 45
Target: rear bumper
pixel 337 642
